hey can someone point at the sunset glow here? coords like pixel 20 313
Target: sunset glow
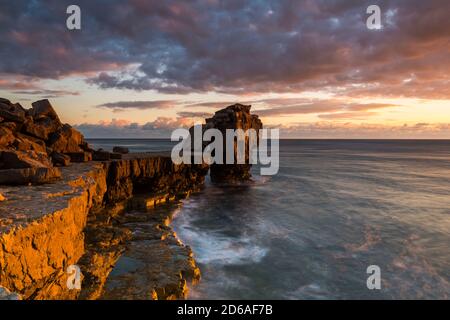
pixel 312 68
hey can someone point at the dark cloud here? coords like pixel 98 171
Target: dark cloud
pixel 234 46
pixel 193 114
pixel 141 105
pixel 212 105
pixel 23 85
pixel 47 93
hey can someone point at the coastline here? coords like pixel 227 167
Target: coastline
pixel 61 221
pixel 74 226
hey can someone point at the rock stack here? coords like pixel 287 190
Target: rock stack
pixel 236 116
pixel 34 142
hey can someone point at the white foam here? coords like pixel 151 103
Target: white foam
pixel 214 248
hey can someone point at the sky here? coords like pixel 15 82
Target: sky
pixel 312 68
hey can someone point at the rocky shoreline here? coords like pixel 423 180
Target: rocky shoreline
pixel 46 228
pixel 63 204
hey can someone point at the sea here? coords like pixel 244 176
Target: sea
pixel 342 219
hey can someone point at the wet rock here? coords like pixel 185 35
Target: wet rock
pixel 59 159
pixel 161 264
pixel 122 150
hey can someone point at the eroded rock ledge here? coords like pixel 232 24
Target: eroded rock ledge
pixel 78 220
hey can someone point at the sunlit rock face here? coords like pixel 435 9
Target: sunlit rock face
pixel 34 142
pixel 75 214
pixel 236 116
pixel 46 228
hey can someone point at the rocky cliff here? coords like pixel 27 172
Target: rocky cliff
pixel 46 228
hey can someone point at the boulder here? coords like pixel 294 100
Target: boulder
pixel 32 141
pixel 13 126
pixel 35 175
pixel 60 160
pixel 41 128
pixel 12 112
pixel 14 159
pixel 6 137
pixel 122 150
pixel 43 109
pixel 26 143
pixel 66 140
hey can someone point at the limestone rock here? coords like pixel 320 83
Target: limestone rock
pixel 60 159
pixel 26 143
pixel 41 128
pixel 122 150
pixel 31 141
pixel 80 156
pixel 43 109
pixel 236 116
pixel 6 136
pixel 15 159
pixel 13 126
pixel 101 155
pixel 66 140
pixel 33 175
pixel 12 112
pixel 57 219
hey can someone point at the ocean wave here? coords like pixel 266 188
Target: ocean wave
pixel 215 248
